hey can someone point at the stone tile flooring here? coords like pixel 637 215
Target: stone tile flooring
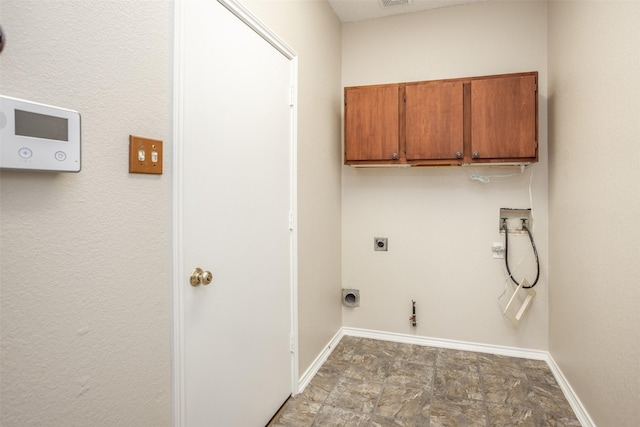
pixel 372 383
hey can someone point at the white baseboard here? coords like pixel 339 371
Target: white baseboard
pixel 578 408
pixel 317 363
pixel 572 398
pixel 450 344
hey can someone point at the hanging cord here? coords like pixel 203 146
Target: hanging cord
pixel 488 178
pixel 506 253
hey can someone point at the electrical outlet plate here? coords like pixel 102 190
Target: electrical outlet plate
pixel 498 250
pixel 145 155
pixel 380 244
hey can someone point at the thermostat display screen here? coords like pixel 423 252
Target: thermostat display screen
pixel 38 137
pixel 43 126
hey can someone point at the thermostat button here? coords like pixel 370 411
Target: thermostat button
pixel 60 155
pixel 25 153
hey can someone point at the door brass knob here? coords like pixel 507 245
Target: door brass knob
pixel 200 277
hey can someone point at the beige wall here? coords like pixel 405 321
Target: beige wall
pixel 594 197
pixel 85 258
pixel 85 261
pixel 85 318
pixel 312 29
pixel 440 223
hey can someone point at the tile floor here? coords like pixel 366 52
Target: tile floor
pixel 372 383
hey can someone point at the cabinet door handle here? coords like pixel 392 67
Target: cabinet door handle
pixel 458 155
pixel 475 155
pixel 394 156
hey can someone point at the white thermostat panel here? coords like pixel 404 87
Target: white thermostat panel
pixel 38 137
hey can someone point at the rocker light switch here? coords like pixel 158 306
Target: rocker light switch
pixel 145 155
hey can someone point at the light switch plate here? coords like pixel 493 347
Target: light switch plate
pixel 145 155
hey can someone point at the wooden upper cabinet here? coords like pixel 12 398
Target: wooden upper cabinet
pixel 371 123
pixel 434 120
pixel 488 119
pixel 504 117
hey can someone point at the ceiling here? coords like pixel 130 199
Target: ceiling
pixel 359 10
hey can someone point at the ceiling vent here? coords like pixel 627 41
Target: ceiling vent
pixel 391 3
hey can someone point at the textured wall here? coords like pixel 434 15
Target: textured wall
pixel 85 258
pixel 313 31
pixel 594 197
pixel 440 223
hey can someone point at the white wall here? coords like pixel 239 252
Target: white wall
pixel 440 224
pixel 85 261
pixel 312 29
pixel 594 198
pixel 85 258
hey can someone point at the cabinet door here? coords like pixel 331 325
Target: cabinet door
pixel 434 120
pixel 504 117
pixel 371 123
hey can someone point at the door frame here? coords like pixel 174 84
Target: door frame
pixel 179 276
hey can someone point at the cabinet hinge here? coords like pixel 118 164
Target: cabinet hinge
pixel 292 343
pixel 404 97
pixel 535 87
pixel 291 221
pixel 292 95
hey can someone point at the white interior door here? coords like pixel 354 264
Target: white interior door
pixel 234 187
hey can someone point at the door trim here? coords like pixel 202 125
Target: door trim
pixel 179 275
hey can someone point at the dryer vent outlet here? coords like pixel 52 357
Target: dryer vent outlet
pixel 351 297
